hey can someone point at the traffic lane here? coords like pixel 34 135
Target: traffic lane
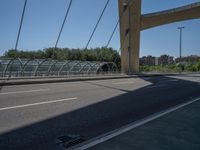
pixel 52 85
pixel 123 86
pixel 189 77
pixel 86 95
pixel 115 81
pixel 67 131
pixel 24 116
pixel 19 95
pixel 102 92
pixel 86 99
pixel 146 82
pixel 131 106
pixel 60 92
pixel 7 90
pixel 100 117
pixel 16 118
pixel 56 91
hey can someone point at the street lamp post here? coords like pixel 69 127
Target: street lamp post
pixel 180 48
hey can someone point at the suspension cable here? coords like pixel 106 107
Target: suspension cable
pixel 21 22
pixel 16 44
pixel 97 24
pixel 66 15
pixel 112 34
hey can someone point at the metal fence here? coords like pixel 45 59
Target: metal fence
pixel 17 67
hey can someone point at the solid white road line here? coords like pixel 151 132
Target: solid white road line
pixel 125 82
pixel 39 103
pixel 19 92
pixel 112 134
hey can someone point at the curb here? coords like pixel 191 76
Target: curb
pixel 71 79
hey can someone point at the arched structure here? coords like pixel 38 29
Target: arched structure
pixel 132 22
pixel 47 67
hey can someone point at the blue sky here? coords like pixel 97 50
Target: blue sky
pixel 43 19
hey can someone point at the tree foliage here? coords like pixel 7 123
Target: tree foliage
pixel 93 54
pixel 188 67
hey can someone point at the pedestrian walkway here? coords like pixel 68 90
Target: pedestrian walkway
pixel 178 130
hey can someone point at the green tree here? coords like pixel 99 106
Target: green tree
pixel 93 54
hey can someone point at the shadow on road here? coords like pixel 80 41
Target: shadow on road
pixel 102 117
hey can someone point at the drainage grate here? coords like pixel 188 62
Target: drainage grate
pixel 70 140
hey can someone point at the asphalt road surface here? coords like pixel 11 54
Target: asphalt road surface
pixel 32 117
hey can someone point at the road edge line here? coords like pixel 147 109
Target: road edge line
pixel 109 135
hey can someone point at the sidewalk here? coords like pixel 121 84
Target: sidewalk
pixel 178 130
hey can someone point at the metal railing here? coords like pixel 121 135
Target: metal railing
pixel 16 67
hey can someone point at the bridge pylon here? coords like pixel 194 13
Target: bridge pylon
pixel 132 22
pixel 130 17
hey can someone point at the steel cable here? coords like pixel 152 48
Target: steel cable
pixel 17 41
pixel 61 29
pixel 21 22
pixel 97 24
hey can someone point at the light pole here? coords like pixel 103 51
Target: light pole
pixel 180 48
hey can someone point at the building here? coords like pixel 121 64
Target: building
pixel 188 59
pixel 153 61
pixel 148 60
pixel 165 60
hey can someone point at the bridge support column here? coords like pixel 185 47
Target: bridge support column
pixel 130 17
